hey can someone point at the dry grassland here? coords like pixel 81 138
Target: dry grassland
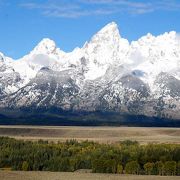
pixel 16 175
pixel 98 134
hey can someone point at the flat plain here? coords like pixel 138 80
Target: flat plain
pixel 99 134
pixel 17 175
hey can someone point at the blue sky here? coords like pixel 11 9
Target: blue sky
pixel 23 23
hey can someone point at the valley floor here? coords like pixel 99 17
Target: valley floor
pixel 98 134
pixel 17 175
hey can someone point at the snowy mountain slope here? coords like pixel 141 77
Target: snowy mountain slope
pixel 107 74
pixel 9 79
pixel 106 48
pixel 46 89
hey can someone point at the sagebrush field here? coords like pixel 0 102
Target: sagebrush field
pixel 98 134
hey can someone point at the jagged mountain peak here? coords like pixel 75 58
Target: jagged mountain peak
pixel 45 46
pixel 110 33
pixel 110 28
pixel 105 49
pixel 171 34
pixel 162 38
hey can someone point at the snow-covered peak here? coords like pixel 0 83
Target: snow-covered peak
pixel 153 55
pixel 110 29
pixel 108 34
pixel 45 54
pixel 173 33
pixel 106 48
pixel 46 46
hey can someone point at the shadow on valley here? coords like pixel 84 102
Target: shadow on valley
pixel 71 118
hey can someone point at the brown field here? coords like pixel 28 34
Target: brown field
pixel 99 134
pixel 17 175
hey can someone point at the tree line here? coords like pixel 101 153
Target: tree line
pixel 127 157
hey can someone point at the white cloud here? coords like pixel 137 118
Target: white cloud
pixel 79 8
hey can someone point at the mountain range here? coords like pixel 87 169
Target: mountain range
pixel 109 79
